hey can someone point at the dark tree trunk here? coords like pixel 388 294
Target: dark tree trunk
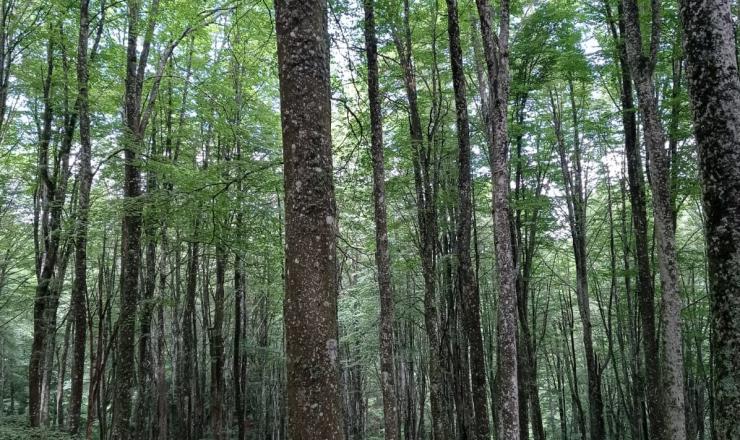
pixel 382 252
pixel 570 165
pixel 310 308
pixel 466 277
pixel 217 348
pixel 425 176
pixel 79 288
pixel 47 250
pixel 130 239
pixel 496 52
pixel 636 180
pixel 714 90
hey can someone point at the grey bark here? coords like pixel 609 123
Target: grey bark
pixel 642 66
pixel 636 180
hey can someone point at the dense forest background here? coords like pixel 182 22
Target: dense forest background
pixel 500 214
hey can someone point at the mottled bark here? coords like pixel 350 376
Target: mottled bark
pixel 642 66
pixel 310 305
pixel 469 293
pixel 636 179
pixel 382 252
pixel 130 237
pixel 47 249
pixel 79 288
pixel 496 52
pixel 714 90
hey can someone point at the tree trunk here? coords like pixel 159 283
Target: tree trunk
pixel 310 309
pixel 425 189
pixel 642 67
pixel 469 293
pixel 639 222
pixel 78 302
pixel 714 90
pixel 570 165
pixel 496 52
pixel 217 348
pixel 382 252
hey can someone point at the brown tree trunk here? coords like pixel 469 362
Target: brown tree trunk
pixel 496 52
pixel 310 309
pixel 217 348
pixel 382 252
pixel 425 184
pixel 78 300
pixel 469 293
pixel 714 90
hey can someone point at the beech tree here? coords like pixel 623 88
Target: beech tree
pixel 714 89
pixel 311 333
pixel 536 199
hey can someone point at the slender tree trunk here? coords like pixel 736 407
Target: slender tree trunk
pixel 496 52
pixel 576 201
pixel 425 189
pixel 639 221
pixel 238 352
pixel 61 375
pixel 79 288
pixel 469 293
pixel 382 252
pixel 217 348
pixel 642 67
pixel 47 248
pixel 310 308
pixel 714 90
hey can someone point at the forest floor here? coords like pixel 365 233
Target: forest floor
pixel 16 428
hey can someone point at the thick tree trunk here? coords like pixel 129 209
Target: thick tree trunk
pixel 310 308
pixel 382 252
pixel 469 293
pixel 714 90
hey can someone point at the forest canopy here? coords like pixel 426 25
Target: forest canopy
pixel 366 219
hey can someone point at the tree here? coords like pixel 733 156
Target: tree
pixel 496 51
pixel 382 253
pixel 642 67
pixel 79 289
pixel 636 179
pixel 310 308
pixel 469 291
pixel 714 89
